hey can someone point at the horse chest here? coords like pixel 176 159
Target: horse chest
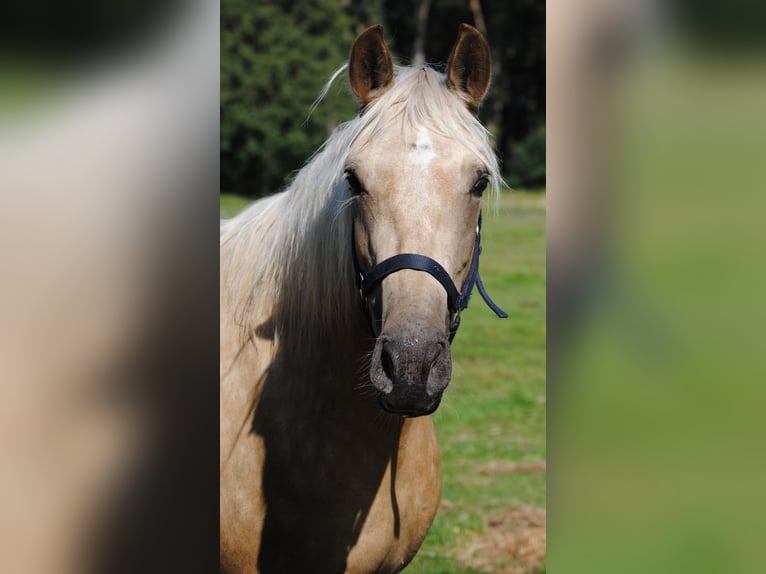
pixel 404 507
pixel 342 499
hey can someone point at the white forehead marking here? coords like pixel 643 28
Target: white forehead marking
pixel 424 151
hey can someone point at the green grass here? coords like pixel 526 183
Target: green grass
pixel 494 408
pixel 232 204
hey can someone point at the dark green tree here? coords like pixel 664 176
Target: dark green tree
pixel 529 161
pixel 275 58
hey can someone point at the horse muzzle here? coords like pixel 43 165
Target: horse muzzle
pixel 410 374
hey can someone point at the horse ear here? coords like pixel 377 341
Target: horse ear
pixel 370 68
pixel 470 66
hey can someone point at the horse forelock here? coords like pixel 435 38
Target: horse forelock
pixel 287 259
pixel 419 97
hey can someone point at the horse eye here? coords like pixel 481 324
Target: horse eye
pixel 354 183
pixel 480 185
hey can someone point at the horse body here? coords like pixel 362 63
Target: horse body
pixel 320 472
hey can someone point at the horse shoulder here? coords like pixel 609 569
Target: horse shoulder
pixel 243 364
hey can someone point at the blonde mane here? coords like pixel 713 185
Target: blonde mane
pixel 286 261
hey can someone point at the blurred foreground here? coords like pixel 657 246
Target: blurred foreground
pixel 108 235
pixel 657 133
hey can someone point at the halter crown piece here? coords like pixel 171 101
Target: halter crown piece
pixel 456 300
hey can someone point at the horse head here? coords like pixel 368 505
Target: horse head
pixel 418 185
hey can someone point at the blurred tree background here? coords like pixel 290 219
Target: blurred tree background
pixel 277 55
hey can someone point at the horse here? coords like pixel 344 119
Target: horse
pixel 339 302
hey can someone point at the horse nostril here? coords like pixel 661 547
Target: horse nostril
pixel 388 359
pixel 432 353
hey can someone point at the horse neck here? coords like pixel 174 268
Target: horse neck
pixel 326 368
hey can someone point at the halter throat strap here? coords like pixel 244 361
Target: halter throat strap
pixel 456 300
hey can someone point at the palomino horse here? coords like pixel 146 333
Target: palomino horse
pixel 328 463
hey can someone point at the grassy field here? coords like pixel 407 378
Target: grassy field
pixel 491 424
pixel 231 205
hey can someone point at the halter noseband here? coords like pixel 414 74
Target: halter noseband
pixel 456 300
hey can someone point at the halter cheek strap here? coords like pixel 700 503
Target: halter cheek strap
pixel 456 300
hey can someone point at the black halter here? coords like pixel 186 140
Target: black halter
pixel 456 300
